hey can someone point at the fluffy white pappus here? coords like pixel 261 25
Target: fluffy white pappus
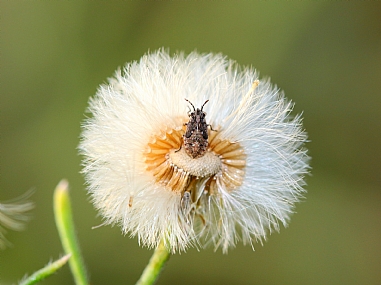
pixel 13 215
pixel 133 141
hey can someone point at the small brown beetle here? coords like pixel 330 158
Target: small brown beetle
pixel 196 135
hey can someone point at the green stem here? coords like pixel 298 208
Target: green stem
pixel 154 266
pixel 46 271
pixel 65 226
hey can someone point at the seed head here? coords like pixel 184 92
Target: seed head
pixel 230 170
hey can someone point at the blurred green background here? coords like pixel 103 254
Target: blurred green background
pixel 325 55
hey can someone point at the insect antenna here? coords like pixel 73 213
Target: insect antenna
pixel 204 104
pixel 190 103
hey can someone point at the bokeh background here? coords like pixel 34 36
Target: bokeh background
pixel 325 55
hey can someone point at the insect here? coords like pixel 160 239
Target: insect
pixel 195 139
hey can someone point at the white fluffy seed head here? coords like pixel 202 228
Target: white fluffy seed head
pixel 13 215
pixel 136 116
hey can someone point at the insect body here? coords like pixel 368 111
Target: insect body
pixel 196 135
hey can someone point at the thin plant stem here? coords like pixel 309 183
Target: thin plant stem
pixel 46 271
pixel 155 265
pixel 65 226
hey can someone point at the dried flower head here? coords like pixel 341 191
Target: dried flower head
pixel 220 172
pixel 14 215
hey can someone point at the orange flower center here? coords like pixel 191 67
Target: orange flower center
pixel 223 163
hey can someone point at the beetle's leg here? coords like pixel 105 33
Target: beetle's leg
pixel 211 128
pixel 178 149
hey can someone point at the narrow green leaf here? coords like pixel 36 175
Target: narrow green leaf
pixel 65 226
pixel 48 270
